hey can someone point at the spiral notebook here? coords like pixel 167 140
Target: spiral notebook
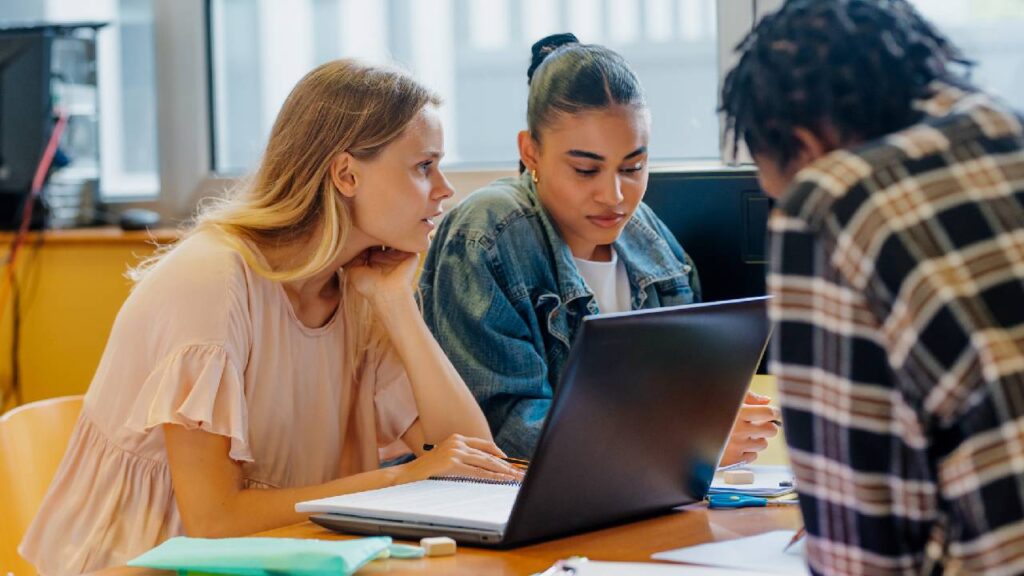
pixel 452 501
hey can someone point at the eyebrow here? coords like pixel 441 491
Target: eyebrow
pixel 594 156
pixel 433 154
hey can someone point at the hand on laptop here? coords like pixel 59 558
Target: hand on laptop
pixel 461 456
pixel 755 423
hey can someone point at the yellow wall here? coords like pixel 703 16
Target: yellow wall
pixel 71 289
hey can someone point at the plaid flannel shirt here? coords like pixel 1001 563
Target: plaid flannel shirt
pixel 898 274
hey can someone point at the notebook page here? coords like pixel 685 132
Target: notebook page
pixel 595 568
pixel 765 552
pixel 442 502
pixel 769 481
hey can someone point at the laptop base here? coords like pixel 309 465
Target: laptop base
pixel 407 531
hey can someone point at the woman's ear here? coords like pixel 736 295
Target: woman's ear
pixel 343 174
pixel 528 150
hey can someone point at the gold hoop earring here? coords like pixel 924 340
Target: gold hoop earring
pixel 533 176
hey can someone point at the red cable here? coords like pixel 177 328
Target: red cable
pixel 26 214
pixel 37 181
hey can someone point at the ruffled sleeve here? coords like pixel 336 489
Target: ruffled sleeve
pixel 197 387
pixel 393 398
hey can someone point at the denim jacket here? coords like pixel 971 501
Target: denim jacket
pixel 503 297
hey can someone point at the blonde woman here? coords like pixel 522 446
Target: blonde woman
pixel 275 353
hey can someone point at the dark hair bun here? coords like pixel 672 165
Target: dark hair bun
pixel 546 45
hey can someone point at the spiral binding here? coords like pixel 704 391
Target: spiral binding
pixel 471 480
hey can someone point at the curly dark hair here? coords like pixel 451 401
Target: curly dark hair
pixel 855 66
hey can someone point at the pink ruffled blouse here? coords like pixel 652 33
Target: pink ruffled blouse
pixel 204 342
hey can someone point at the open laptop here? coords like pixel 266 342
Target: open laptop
pixel 636 428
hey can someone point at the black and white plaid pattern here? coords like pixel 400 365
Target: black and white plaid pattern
pixel 898 276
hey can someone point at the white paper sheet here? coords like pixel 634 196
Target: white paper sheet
pixel 762 553
pixel 593 568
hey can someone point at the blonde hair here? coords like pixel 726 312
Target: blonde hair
pixel 339 106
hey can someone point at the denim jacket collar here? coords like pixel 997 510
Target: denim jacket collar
pixel 648 259
pixel 646 255
pixel 570 284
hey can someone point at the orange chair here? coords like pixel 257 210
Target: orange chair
pixel 33 439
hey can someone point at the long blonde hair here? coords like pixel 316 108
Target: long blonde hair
pixel 339 106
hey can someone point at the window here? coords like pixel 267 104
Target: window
pixel 989 32
pixel 127 89
pixel 473 52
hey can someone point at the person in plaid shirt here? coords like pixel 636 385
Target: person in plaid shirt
pixel 897 269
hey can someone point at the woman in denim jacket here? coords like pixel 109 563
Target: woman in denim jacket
pixel 514 269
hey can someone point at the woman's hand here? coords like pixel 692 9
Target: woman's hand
pixel 383 276
pixel 461 456
pixel 754 425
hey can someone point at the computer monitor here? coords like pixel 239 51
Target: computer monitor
pixel 44 67
pixel 720 217
pixel 24 108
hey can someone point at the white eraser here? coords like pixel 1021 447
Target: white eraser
pixel 438 546
pixel 738 477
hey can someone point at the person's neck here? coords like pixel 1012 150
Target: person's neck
pixel 322 283
pixel 591 252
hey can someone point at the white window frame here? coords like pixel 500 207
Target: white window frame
pixel 184 136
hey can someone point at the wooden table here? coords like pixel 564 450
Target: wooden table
pixel 628 542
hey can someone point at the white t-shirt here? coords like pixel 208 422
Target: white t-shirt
pixel 608 281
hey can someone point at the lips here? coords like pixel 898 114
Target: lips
pixel 430 219
pixel 607 220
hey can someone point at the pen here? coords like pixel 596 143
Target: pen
pixel 517 462
pixel 733 466
pixel 732 501
pixel 796 537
